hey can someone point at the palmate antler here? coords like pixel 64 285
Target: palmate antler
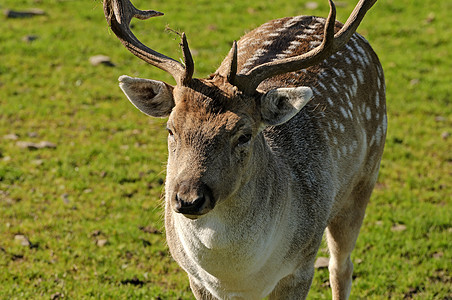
pixel 119 13
pixel 330 44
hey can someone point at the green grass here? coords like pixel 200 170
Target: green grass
pixel 103 182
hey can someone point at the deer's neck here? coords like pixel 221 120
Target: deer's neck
pixel 249 235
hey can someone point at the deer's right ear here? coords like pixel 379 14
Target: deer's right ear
pixel 154 98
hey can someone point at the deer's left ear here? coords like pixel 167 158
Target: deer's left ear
pixel 280 105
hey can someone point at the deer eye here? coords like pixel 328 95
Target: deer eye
pixel 170 132
pixel 243 139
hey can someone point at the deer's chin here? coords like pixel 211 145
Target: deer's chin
pixel 193 217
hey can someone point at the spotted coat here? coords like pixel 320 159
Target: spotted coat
pixel 248 201
pixel 348 110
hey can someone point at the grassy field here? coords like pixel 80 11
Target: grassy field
pixel 81 217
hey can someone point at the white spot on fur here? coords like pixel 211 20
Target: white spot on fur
pixel 368 113
pixel 330 102
pixel 288 51
pixel 363 108
pixel 265 26
pixel 377 99
pixel 341 127
pixel 294 44
pixel 379 71
pixel 333 87
pixel 360 74
pixel 372 141
pixel 291 22
pixel 316 24
pixel 354 87
pixel 336 71
pixel 385 123
pixel 350 104
pixel 258 54
pixel 315 91
pixel 314 44
pixel 335 124
pixel 359 110
pixel 335 82
pixel 302 36
pixel 350 91
pixel 343 112
pixel 362 52
pixel 347 96
pixel 378 135
pixel 351 52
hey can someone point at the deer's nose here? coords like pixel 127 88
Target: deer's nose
pixel 193 199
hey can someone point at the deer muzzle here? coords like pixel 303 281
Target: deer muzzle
pixel 193 199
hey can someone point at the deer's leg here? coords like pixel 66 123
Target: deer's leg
pixel 295 286
pixel 341 233
pixel 200 292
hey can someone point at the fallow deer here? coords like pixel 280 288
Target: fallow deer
pixel 280 144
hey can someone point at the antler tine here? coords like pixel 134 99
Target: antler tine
pixel 119 14
pixel 188 60
pixel 353 21
pixel 232 64
pixel 330 44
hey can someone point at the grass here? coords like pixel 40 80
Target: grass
pixel 84 219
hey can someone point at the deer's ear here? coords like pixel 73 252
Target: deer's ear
pixel 154 98
pixel 281 104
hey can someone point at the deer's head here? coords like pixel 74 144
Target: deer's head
pixel 214 124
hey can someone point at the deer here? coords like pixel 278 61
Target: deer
pixel 280 146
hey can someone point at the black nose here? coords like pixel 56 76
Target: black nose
pixel 189 207
pixel 193 199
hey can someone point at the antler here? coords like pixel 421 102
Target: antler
pixel 330 44
pixel 119 13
